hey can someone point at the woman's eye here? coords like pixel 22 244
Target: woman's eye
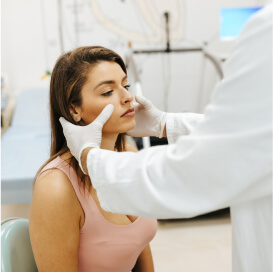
pixel 127 87
pixel 107 93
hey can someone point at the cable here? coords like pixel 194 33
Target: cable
pixel 140 20
pixel 166 65
pixel 44 33
pixel 65 30
pixel 76 23
pixel 155 9
pixel 47 70
pixel 59 2
pixel 178 3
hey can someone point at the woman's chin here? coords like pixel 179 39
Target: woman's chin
pixel 122 129
pixel 131 126
pixel 127 127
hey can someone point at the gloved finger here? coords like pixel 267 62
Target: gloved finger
pixel 65 124
pixel 135 103
pixel 143 101
pixel 104 115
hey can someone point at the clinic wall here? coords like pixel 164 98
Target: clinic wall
pixel 193 77
pixel 22 44
pixel 175 82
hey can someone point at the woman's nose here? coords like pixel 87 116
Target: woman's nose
pixel 126 97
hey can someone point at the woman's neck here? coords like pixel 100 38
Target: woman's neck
pixel 108 141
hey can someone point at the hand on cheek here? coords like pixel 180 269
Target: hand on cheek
pixel 90 116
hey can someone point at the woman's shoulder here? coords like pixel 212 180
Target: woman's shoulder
pixel 54 193
pixel 52 175
pixel 130 148
pixel 53 183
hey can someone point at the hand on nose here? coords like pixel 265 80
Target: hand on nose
pixel 150 121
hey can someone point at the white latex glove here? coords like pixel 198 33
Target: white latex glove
pixel 80 137
pixel 150 121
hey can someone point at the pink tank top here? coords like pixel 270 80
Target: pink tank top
pixel 105 246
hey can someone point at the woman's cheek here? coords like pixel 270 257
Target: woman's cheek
pixel 96 108
pixel 112 119
pixel 90 116
pixel 112 123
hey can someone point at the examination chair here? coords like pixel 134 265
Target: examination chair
pixel 17 255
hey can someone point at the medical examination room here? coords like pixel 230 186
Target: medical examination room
pixel 146 120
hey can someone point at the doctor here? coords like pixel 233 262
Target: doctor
pixel 222 159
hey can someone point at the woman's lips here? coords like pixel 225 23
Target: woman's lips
pixel 129 113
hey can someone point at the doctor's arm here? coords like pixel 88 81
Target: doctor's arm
pixel 224 160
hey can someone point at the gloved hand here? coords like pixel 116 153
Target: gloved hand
pixel 150 121
pixel 80 137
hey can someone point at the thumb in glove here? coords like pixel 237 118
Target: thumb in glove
pixel 80 137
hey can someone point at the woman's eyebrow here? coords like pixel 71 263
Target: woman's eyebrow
pixel 109 82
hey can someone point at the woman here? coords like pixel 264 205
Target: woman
pixel 69 231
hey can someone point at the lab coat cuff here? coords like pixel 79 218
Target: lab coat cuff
pixel 92 163
pixel 172 129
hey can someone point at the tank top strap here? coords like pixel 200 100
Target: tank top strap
pixel 79 188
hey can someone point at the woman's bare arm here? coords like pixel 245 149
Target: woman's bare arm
pixel 145 261
pixel 54 223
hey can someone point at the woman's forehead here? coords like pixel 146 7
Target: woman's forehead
pixel 105 71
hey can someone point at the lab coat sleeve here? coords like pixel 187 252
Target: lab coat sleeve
pixel 178 124
pixel 225 160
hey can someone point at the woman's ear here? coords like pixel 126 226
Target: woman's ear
pixel 75 113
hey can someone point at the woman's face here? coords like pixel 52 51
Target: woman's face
pixel 107 84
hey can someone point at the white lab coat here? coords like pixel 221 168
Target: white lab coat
pixel 224 161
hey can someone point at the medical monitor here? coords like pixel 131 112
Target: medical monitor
pixel 232 21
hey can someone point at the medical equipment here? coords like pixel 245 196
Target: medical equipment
pixel 132 69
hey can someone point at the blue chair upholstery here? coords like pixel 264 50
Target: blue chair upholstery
pixel 16 249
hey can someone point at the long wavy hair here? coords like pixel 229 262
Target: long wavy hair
pixel 67 80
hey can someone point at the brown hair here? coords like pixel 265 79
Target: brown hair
pixel 67 80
